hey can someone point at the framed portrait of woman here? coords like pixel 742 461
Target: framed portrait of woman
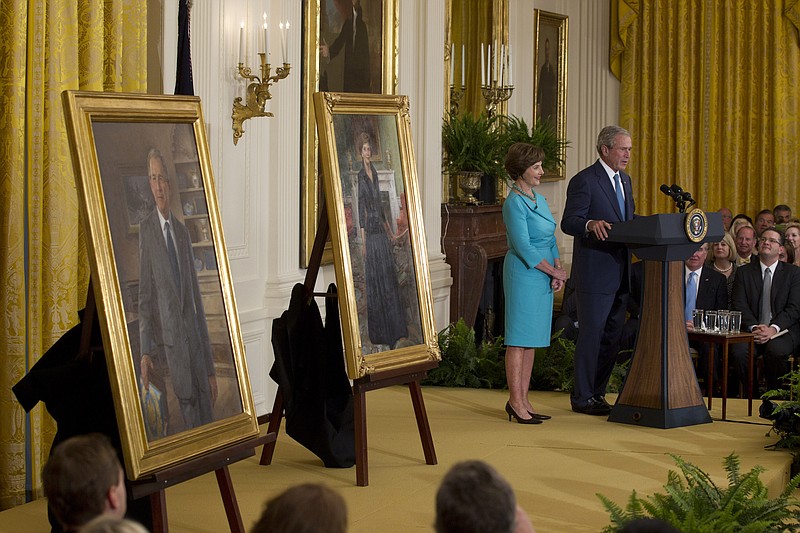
pixel 377 234
pixel 348 46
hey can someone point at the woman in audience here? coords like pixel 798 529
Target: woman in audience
pixel 531 273
pixel 792 238
pixel 306 508
pixel 723 260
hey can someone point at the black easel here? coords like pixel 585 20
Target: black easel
pixel 154 485
pixel 410 375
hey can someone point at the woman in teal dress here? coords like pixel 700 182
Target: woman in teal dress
pixel 531 273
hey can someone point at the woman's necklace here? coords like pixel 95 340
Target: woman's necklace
pixel 723 270
pixel 523 193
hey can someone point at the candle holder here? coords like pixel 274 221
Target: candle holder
pixel 456 95
pixel 494 95
pixel 257 94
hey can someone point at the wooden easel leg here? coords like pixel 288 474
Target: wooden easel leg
pixel 158 502
pixel 229 500
pixel 422 422
pixel 360 412
pixel 273 427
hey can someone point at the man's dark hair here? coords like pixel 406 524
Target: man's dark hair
pixel 78 476
pixel 474 498
pixel 306 508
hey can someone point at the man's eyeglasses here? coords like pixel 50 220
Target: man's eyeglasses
pixel 770 239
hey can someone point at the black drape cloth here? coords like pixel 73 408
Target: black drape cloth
pixel 77 394
pixel 183 74
pixel 309 368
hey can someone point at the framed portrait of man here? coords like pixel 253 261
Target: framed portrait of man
pixel 550 37
pixel 164 291
pixel 348 46
pixel 377 235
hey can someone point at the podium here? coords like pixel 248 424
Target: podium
pixel 661 388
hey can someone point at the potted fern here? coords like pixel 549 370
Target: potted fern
pixel 542 134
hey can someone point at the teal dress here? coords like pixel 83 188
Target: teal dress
pixel 529 298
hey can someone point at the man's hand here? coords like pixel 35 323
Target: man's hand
pixel 146 366
pixel 212 385
pixel 763 333
pixel 689 325
pixel 599 228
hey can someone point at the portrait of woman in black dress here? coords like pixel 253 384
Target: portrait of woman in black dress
pixel 386 314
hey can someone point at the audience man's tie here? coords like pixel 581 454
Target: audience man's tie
pixel 620 198
pixel 173 255
pixel 766 311
pixel 691 296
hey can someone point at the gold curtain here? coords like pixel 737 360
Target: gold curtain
pixel 709 94
pixel 48 46
pixel 472 23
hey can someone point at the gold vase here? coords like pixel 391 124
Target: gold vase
pixel 469 182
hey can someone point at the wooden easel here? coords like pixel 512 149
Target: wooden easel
pixel 155 484
pixel 410 375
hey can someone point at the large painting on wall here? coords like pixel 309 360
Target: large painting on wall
pixel 348 46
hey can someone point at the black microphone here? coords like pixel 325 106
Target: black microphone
pixel 666 189
pixel 676 189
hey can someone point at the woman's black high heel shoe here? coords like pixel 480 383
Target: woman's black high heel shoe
pixel 512 413
pixel 539 416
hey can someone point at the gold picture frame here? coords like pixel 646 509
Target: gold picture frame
pixel 377 233
pixel 320 28
pixel 164 322
pixel 550 37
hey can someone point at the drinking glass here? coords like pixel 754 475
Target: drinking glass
pixel 736 322
pixel 723 317
pixel 697 320
pixel 711 322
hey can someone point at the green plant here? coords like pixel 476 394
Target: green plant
pixel 699 506
pixel 543 135
pixel 785 415
pixel 553 366
pixel 466 364
pixel 472 144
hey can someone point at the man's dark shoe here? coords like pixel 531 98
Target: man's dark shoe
pixel 602 400
pixel 592 407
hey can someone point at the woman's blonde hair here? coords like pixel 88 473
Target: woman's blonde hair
pixel 727 239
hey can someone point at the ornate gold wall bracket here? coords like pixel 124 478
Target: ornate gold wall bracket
pixel 257 94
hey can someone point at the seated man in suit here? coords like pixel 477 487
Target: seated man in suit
pixel 767 292
pixel 745 240
pixel 705 289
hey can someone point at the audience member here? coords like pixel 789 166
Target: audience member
pixel 474 498
pixel 787 254
pixel 742 216
pixel 83 479
pixel 736 224
pixel 723 260
pixel 727 218
pixel 764 220
pixel 792 240
pixel 112 524
pixel 767 292
pixel 782 213
pixel 705 289
pixel 745 245
pixel 306 508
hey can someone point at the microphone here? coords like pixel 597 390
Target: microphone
pixel 676 189
pixel 666 189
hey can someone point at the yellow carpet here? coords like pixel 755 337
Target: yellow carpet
pixel 556 468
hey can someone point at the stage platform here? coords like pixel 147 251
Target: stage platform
pixel 556 468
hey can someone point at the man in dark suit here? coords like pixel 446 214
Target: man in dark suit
pixel 705 289
pixel 353 39
pixel 172 323
pixel 597 197
pixel 767 292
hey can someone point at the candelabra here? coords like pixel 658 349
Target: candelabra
pixel 257 94
pixel 456 95
pixel 495 94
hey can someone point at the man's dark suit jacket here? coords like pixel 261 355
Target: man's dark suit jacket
pixel 712 290
pixel 598 266
pixel 785 295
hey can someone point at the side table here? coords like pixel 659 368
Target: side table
pixel 725 341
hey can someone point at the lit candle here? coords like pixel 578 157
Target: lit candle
pixel 241 43
pixel 286 58
pixel 483 66
pixel 265 48
pixel 491 65
pixel 502 63
pixel 510 68
pixel 462 65
pixel 452 66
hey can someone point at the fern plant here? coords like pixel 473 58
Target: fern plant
pixel 695 503
pixel 472 144
pixel 542 134
pixel 553 367
pixel 466 364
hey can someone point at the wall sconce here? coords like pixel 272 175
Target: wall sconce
pixel 258 90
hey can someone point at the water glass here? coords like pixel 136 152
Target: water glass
pixel 735 322
pixel 697 320
pixel 723 317
pixel 711 322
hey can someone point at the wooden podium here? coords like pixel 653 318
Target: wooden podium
pixel 661 388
